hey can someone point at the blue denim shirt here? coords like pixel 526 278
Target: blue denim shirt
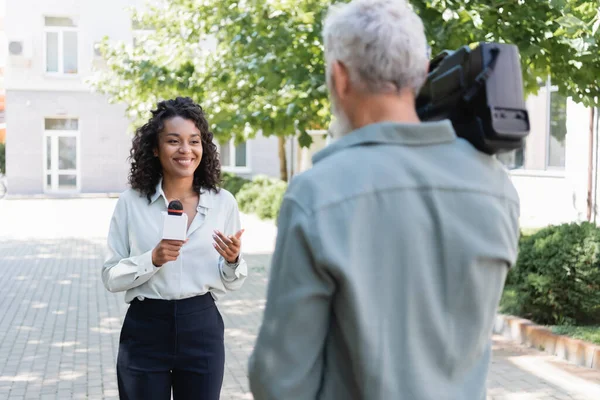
pixel 389 265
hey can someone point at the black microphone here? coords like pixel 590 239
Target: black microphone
pixel 175 208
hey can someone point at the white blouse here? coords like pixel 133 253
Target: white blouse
pixel 135 230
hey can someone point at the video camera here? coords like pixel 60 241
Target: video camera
pixel 480 91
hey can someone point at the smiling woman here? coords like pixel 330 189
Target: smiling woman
pixel 172 336
pixel 171 123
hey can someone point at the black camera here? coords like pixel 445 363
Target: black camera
pixel 480 91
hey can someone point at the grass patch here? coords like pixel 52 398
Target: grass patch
pixel 508 305
pixel 587 333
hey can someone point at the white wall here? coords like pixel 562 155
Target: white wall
pixel 33 95
pixel 545 199
pixel 264 156
pixel 25 22
pixel 557 196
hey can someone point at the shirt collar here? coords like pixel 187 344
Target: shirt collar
pixel 422 134
pixel 158 192
pixel 206 196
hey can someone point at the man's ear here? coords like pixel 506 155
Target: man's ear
pixel 341 79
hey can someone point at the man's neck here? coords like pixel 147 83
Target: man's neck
pixel 178 188
pixel 386 108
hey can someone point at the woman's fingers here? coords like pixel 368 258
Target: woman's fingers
pixel 175 244
pixel 238 235
pixel 227 241
pixel 221 250
pixel 228 246
pixel 218 240
pixel 165 251
pixel 230 241
pixel 170 255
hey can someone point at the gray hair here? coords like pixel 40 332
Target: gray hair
pixel 381 42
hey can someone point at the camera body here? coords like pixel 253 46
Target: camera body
pixel 480 91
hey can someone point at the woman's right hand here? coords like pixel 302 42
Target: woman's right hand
pixel 165 251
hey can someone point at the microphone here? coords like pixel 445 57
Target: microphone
pixel 174 222
pixel 175 208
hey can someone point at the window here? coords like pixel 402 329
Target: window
pixel 61 46
pixel 61 154
pixel 557 130
pixel 234 157
pixel 141 39
pixel 513 159
pixel 142 35
pixel 545 147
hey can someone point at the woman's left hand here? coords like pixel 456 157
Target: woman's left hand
pixel 228 246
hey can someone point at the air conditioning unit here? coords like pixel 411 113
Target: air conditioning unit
pixel 96 49
pixel 20 48
pixel 98 62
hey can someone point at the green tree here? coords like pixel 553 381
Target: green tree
pixel 556 38
pixel 267 71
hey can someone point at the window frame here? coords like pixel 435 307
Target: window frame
pixel 60 31
pixel 137 34
pixel 547 170
pixel 549 90
pixel 232 154
pixel 54 171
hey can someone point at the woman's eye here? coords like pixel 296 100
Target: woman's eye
pixel 172 141
pixel 195 142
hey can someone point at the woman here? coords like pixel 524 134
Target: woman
pixel 172 336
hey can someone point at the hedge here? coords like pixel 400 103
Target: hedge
pixel 557 277
pixel 261 196
pixel 232 183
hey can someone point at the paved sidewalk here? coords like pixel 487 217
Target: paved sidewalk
pixel 59 327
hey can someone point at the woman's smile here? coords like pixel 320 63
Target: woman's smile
pixel 185 161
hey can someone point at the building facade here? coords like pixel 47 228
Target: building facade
pixel 3 54
pixel 556 174
pixel 62 139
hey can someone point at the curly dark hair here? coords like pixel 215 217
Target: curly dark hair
pixel 146 169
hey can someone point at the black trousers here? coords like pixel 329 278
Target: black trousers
pixel 174 345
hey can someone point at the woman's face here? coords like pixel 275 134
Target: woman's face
pixel 179 148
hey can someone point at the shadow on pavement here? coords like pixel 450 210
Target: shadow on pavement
pixel 59 327
pixel 59 331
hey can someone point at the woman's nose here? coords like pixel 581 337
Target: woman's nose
pixel 184 148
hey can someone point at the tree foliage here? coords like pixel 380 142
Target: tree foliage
pixel 556 38
pixel 267 71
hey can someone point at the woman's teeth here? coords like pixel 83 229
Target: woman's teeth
pixel 185 162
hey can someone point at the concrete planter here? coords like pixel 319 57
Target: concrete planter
pixel 526 332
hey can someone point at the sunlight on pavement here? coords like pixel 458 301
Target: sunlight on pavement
pixel 537 365
pixel 58 312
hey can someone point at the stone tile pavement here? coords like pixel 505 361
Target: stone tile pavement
pixel 59 327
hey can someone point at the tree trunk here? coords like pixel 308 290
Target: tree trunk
pixel 282 159
pixel 590 202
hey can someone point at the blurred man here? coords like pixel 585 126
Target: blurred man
pixel 393 249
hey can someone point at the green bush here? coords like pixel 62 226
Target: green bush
pixel 557 276
pixel 262 196
pixel 2 158
pixel 523 235
pixel 232 182
pixel 268 203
